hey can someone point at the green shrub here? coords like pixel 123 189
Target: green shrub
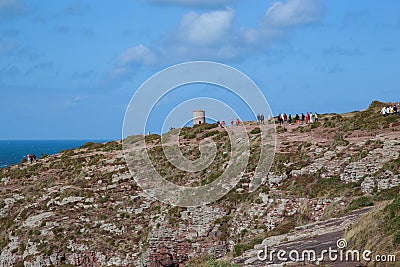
pixel 111 146
pixel 208 261
pixel 189 136
pixel 205 126
pixel 285 227
pixel 361 202
pixel 208 134
pixel 281 129
pixel 152 137
pixel 240 248
pixel 315 125
pixel 256 130
pixel 329 124
pixel 92 145
pixel 387 194
pixel 392 220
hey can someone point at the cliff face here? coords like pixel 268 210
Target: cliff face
pixel 82 207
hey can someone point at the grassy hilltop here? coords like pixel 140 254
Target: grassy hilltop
pixel 81 207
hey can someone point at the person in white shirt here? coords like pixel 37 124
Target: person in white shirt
pixel 383 111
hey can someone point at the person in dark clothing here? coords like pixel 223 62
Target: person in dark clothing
pixel 395 110
pixel 290 118
pixel 303 117
pixel 297 119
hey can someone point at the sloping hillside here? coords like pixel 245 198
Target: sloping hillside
pixel 82 207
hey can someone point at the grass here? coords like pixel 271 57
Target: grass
pixel 209 261
pixel 360 202
pixel 387 194
pixel 281 129
pixel 393 166
pixel 330 187
pixel 378 230
pixel 369 119
pixel 91 146
pixel 298 158
pixel 256 130
pixel 285 227
pixel 392 220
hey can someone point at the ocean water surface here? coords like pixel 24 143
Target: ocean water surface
pixel 13 151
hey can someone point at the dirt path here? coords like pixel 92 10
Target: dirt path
pixel 317 236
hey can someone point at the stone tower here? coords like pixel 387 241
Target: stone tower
pixel 199 117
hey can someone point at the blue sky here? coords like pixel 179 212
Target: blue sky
pixel 68 69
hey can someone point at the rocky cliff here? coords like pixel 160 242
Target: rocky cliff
pixel 82 207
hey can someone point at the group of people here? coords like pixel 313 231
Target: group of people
pixel 31 157
pixel 390 110
pixel 309 117
pixel 222 123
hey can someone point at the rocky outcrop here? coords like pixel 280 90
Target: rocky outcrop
pixel 82 207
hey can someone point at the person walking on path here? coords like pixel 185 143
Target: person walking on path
pixel 237 122
pixel 316 117
pixel 258 119
pixel 231 122
pixel 311 117
pixel 223 124
pixel 307 118
pixel 302 118
pixel 290 119
pixel 262 118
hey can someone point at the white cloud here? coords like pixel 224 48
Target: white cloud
pixel 211 35
pixel 280 17
pixel 198 36
pixel 293 13
pixel 130 58
pixel 136 55
pixel 207 28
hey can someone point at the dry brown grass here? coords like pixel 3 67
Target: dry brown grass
pixel 367 233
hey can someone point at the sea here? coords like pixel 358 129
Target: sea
pixel 13 151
